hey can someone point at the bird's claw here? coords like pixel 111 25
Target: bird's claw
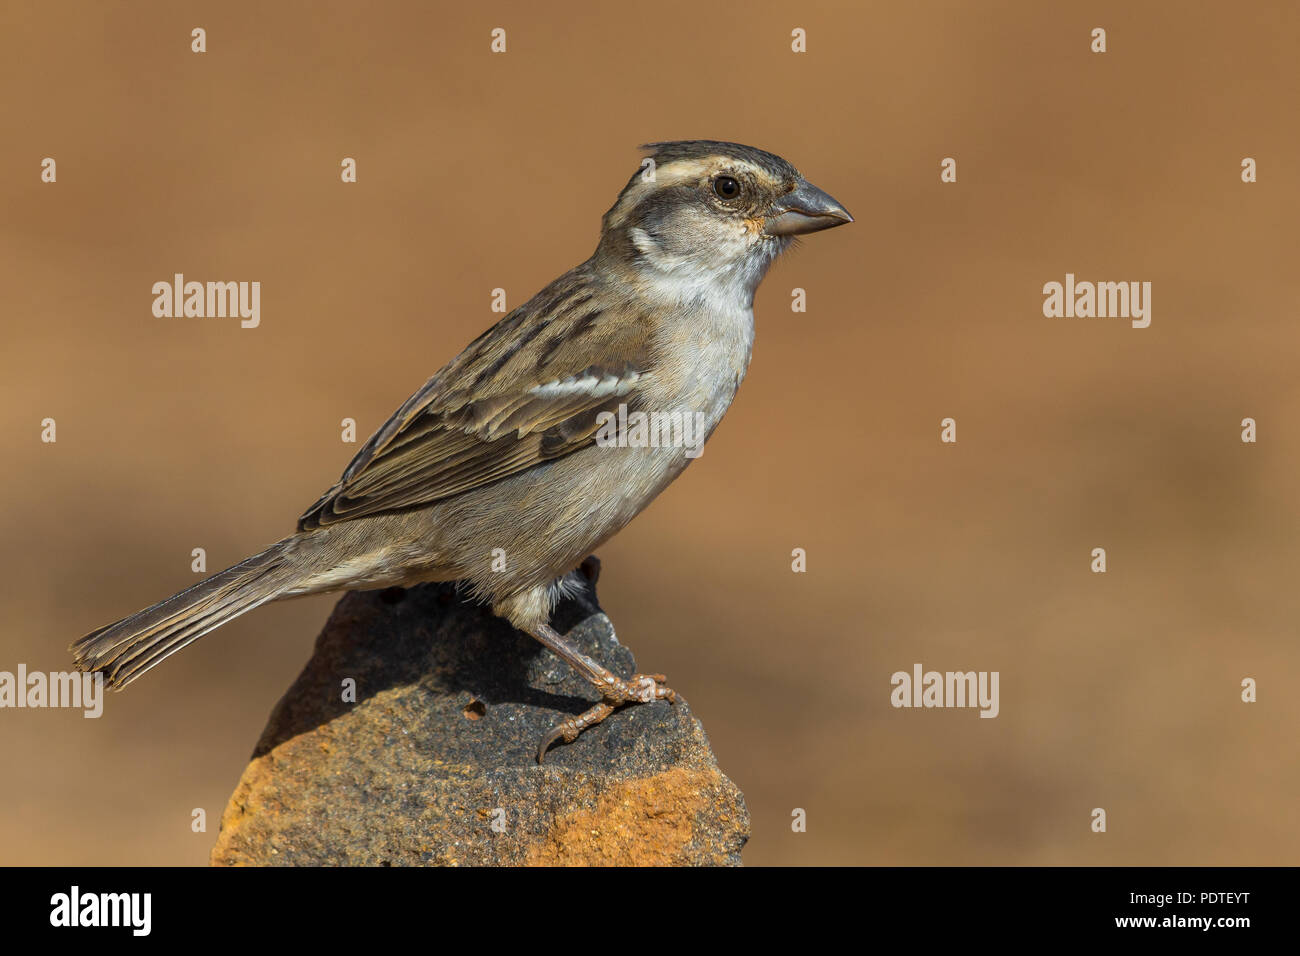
pixel 638 689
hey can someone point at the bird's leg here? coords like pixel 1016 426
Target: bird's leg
pixel 614 690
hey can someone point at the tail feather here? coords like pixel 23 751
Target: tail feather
pixel 126 649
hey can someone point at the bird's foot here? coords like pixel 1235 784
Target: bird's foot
pixel 638 689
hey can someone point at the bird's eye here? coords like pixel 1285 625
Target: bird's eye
pixel 726 187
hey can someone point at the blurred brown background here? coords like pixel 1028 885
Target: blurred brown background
pixel 480 171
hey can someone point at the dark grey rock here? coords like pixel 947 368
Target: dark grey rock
pixel 435 762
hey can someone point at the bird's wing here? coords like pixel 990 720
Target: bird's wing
pixel 527 391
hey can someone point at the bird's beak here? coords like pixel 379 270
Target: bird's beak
pixel 804 209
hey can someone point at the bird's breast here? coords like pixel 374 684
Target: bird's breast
pixel 702 356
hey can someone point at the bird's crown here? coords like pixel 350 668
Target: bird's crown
pixel 697 150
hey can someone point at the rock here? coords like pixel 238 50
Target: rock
pixel 435 762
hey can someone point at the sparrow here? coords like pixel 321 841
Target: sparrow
pixel 501 472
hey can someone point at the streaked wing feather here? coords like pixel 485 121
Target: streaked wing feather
pixel 511 401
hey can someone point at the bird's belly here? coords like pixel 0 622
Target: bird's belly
pixel 529 529
pixel 555 515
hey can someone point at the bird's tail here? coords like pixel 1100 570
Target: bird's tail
pixel 128 648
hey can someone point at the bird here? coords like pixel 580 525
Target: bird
pixel 515 461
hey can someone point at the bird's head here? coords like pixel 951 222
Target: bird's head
pixel 705 213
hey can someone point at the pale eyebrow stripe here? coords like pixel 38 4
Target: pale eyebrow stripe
pixel 670 174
